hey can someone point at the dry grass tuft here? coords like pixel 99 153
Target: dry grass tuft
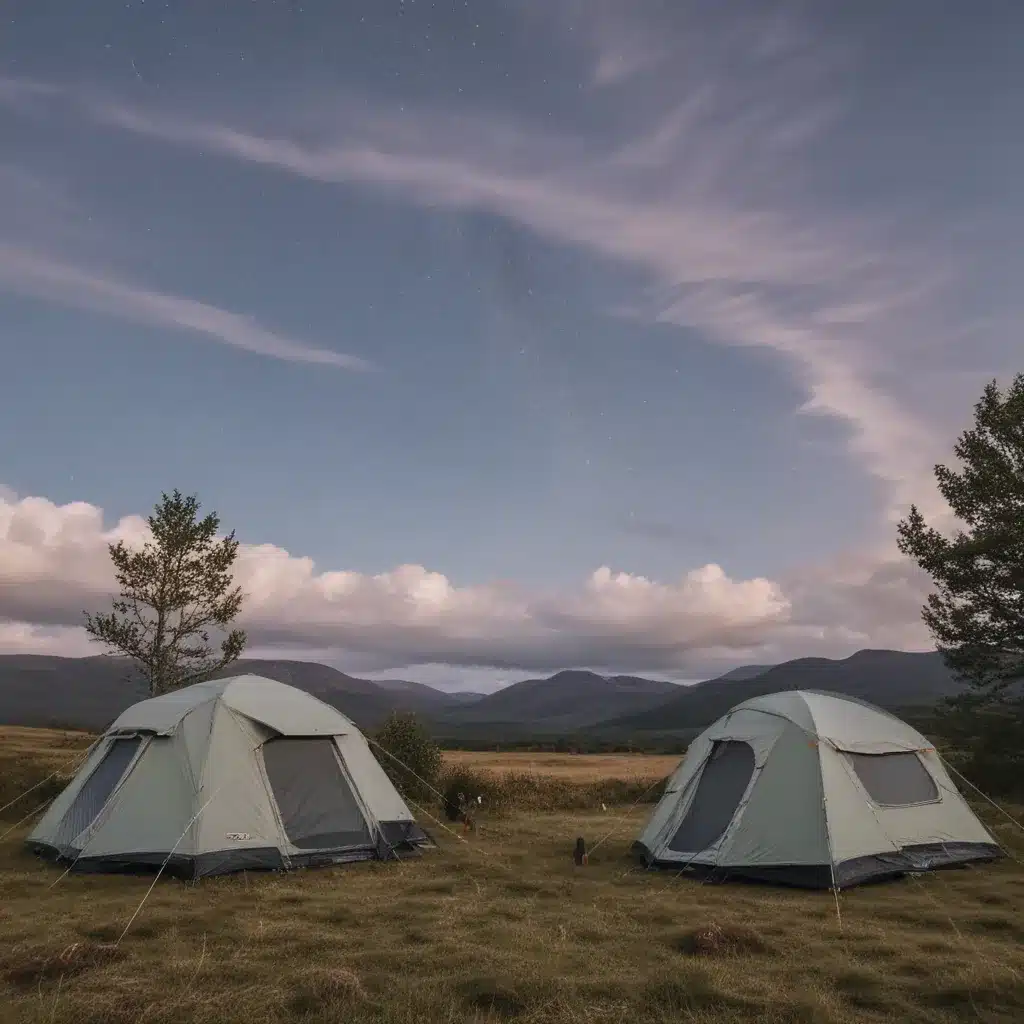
pixel 317 988
pixel 27 967
pixel 492 997
pixel 721 940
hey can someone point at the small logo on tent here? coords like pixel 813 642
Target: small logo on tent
pixel 238 836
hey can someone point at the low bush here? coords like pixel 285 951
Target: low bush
pixel 461 786
pixel 987 748
pixel 522 791
pixel 412 760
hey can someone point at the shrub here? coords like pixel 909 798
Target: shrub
pixel 524 791
pixel 410 757
pixel 986 746
pixel 462 784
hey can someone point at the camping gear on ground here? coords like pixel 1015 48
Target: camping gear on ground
pixel 812 789
pixel 226 775
pixel 453 805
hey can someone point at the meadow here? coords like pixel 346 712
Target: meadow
pixel 575 767
pixel 499 925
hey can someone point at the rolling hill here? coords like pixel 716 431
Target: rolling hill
pixel 423 699
pixel 43 690
pixel 565 702
pixel 89 693
pixel 745 672
pixel 890 679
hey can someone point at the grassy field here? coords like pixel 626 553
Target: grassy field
pixel 575 767
pixel 501 927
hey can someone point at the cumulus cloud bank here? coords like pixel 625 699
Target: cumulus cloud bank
pixel 54 563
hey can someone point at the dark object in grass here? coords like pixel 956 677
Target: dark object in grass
pixel 579 853
pixel 454 801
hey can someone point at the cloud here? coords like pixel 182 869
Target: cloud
pixel 710 192
pixel 41 277
pixel 22 93
pixel 39 217
pixel 618 45
pixel 704 199
pixel 60 641
pixel 54 563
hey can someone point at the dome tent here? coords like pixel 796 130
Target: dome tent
pixel 812 789
pixel 230 774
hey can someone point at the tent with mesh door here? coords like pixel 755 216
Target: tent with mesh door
pixel 812 789
pixel 235 773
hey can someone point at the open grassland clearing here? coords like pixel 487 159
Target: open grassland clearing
pixel 575 767
pixel 501 926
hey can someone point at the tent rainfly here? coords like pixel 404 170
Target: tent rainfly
pixel 226 775
pixel 815 790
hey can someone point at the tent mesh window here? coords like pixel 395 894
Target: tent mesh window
pixel 894 780
pixel 318 809
pixel 720 789
pixel 96 790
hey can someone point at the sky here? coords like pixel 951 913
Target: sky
pixel 507 337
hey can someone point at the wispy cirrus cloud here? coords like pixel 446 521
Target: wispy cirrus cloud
pixel 51 250
pixel 51 280
pixel 619 46
pixel 724 251
pixel 709 196
pixel 20 92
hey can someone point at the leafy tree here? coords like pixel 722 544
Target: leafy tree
pixel 172 592
pixel 410 757
pixel 976 613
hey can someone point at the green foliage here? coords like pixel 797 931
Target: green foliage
pixel 985 744
pixel 171 592
pixel 410 757
pixel 976 614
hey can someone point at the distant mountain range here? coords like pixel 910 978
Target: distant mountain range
pixel 563 703
pixel 91 692
pixel 40 690
pixel 890 679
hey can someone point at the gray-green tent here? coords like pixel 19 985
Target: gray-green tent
pixel 812 789
pixel 235 773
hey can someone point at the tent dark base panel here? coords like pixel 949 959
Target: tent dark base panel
pixel 398 840
pixel 859 871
